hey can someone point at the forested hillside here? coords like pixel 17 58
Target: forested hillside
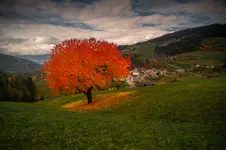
pixel 187 40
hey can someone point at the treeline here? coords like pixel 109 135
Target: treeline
pixel 184 45
pixel 17 88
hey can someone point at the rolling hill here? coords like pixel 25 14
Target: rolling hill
pixel 17 65
pixel 36 58
pixel 187 40
pixel 122 47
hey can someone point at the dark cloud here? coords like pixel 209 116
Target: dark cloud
pixel 186 1
pixel 6 2
pixel 34 26
pixel 148 4
pixel 12 15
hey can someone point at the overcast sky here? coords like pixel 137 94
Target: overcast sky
pixel 34 26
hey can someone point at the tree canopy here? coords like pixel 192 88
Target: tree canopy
pixel 84 64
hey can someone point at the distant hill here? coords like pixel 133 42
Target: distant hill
pixel 187 40
pixel 40 59
pixel 122 47
pixel 36 58
pixel 17 65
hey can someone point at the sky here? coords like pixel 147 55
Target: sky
pixel 32 27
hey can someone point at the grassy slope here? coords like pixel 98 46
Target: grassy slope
pixel 143 49
pixel 203 58
pixel 146 50
pixel 190 114
pixel 42 89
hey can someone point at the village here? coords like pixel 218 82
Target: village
pixel 144 77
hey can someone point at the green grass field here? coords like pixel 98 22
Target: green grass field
pixel 190 114
pixel 42 88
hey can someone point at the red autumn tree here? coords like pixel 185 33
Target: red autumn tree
pixel 82 65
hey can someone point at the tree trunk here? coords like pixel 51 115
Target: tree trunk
pixel 89 94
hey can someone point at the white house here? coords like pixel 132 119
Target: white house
pixel 180 70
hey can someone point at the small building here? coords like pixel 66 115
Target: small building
pixel 180 70
pixel 153 73
pixel 136 73
pixel 132 77
pixel 163 72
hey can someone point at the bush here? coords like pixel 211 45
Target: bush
pixel 217 69
pixel 42 97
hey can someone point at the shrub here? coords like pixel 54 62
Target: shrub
pixel 223 65
pixel 42 97
pixel 217 68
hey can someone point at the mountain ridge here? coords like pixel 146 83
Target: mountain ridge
pixel 17 65
pixel 40 59
pixel 190 37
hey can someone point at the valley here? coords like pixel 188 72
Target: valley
pixel 173 98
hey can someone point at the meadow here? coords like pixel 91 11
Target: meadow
pixel 190 114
